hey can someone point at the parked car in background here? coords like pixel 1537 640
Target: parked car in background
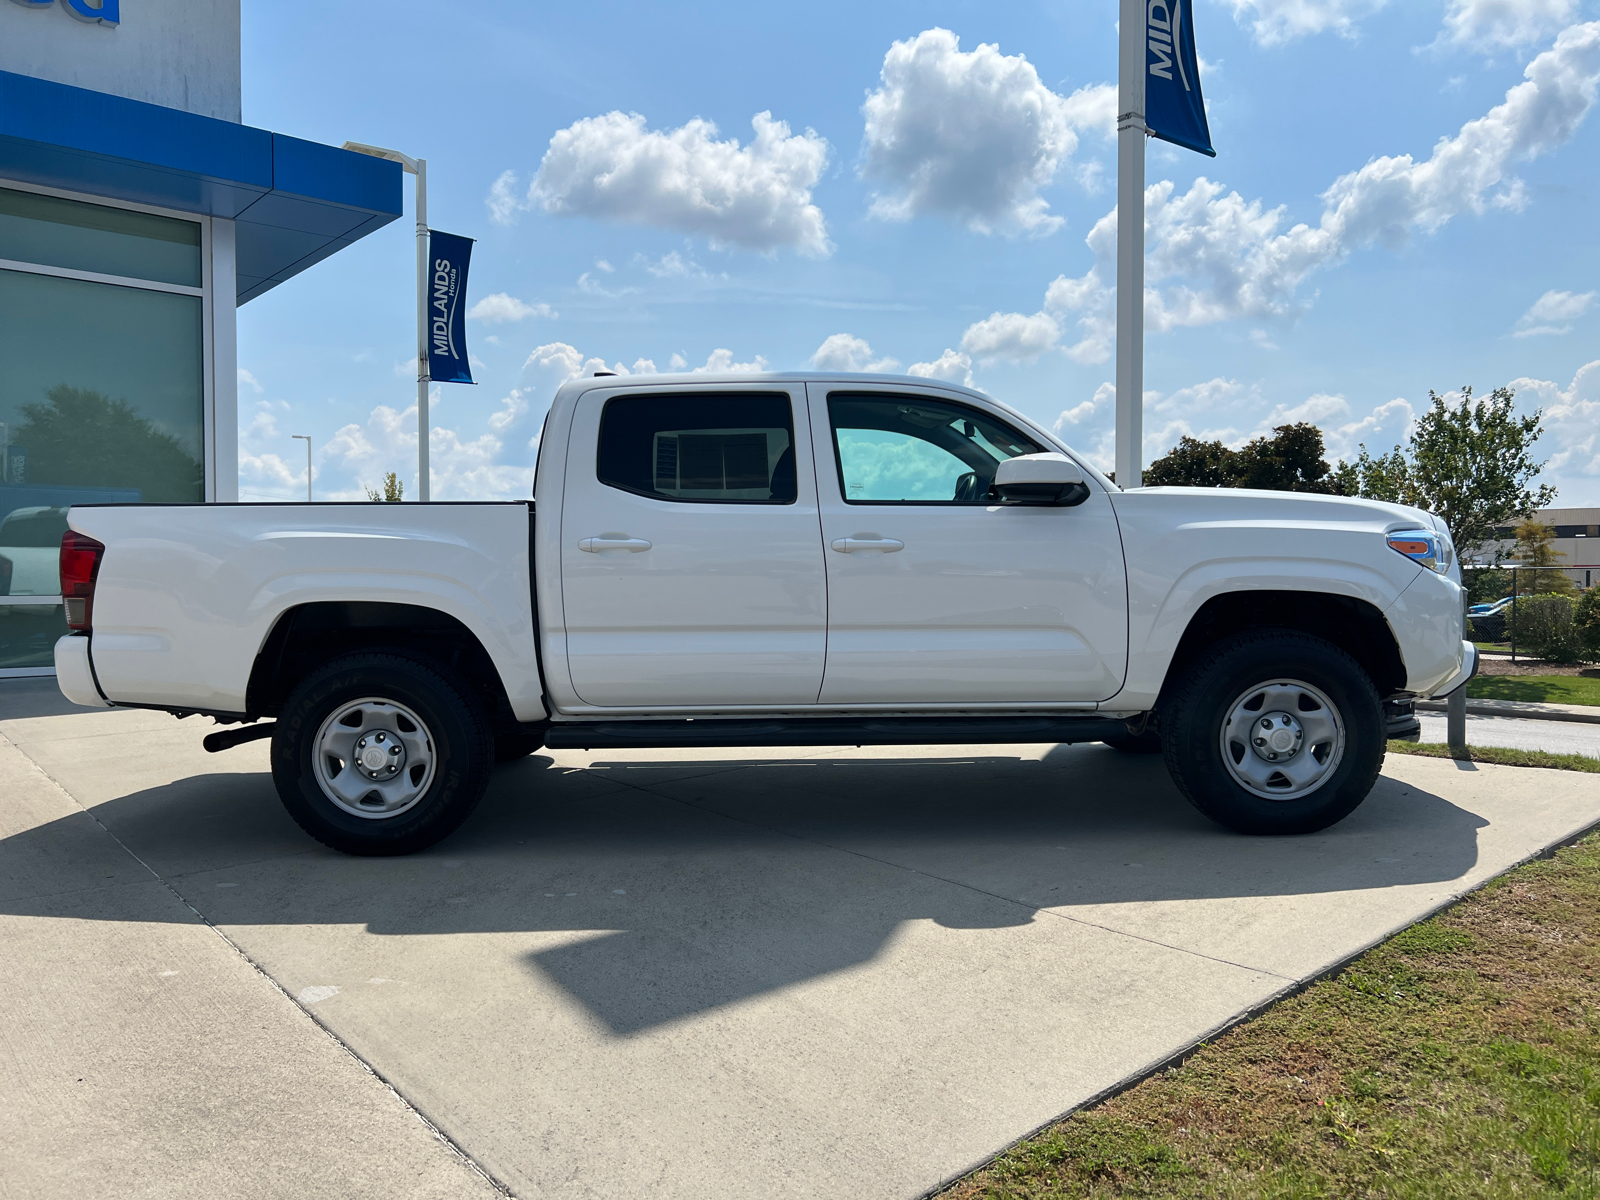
pixel 30 549
pixel 1489 620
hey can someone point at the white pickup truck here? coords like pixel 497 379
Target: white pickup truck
pixel 773 560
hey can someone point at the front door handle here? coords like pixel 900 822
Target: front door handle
pixel 613 543
pixel 862 542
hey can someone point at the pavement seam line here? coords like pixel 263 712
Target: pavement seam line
pixel 443 1138
pixel 1289 979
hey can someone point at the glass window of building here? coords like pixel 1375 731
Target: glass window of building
pixel 102 395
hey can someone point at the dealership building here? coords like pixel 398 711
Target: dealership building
pixel 137 213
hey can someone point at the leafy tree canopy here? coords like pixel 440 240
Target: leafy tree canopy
pixel 1470 462
pixel 1291 460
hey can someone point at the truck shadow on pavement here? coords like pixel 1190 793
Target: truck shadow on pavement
pixel 653 890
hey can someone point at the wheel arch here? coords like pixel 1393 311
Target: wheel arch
pixel 1356 626
pixel 308 635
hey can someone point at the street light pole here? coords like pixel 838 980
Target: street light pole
pixel 301 437
pixel 419 168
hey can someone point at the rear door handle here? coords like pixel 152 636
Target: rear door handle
pixel 613 543
pixel 855 545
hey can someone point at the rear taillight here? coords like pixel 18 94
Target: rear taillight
pixel 80 563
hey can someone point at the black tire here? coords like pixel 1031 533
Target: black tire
pixel 453 724
pixel 517 742
pixel 1148 742
pixel 1195 710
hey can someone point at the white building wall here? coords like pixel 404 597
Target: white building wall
pixel 178 53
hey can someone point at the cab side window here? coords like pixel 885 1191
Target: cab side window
pixel 718 448
pixel 912 450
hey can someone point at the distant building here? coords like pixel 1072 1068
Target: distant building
pixel 1577 541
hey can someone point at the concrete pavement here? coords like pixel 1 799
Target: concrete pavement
pixel 715 975
pixel 1554 737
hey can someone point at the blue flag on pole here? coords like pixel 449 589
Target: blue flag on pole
pixel 1174 110
pixel 447 307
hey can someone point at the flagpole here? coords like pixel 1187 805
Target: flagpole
pixel 1130 242
pixel 419 168
pixel 424 490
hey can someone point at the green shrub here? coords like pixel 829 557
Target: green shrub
pixel 1586 620
pixel 1546 626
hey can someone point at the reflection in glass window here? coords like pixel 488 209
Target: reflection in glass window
pixel 911 450
pixel 101 388
pixel 716 448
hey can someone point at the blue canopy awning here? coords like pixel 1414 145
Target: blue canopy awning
pixel 296 202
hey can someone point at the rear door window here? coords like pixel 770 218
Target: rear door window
pixel 718 448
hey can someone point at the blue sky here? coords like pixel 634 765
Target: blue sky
pixel 1404 198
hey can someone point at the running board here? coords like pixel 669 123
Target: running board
pixel 828 731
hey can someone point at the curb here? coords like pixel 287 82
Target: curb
pixel 1584 714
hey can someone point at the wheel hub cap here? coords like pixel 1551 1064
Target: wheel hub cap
pixel 374 758
pixel 1277 736
pixel 1282 740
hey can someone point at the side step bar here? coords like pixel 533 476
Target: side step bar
pixel 827 731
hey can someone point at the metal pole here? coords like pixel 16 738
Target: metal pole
pixel 1513 614
pixel 1455 720
pixel 424 491
pixel 300 437
pixel 1130 243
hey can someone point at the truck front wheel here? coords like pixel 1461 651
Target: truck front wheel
pixel 1274 732
pixel 378 754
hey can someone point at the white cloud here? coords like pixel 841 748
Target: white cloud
pixel 721 362
pixel 674 265
pixel 1104 398
pixel 1013 337
pixel 843 352
pixel 1572 422
pixel 951 366
pixel 1501 24
pixel 1553 313
pixel 1260 338
pixel 1273 22
pixel 250 381
pixel 503 307
pixel 1212 256
pixel 1197 398
pixel 611 167
pixel 461 468
pixel 972 135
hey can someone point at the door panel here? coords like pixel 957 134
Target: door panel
pixel 693 575
pixel 936 596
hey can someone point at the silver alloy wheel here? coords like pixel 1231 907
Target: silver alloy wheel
pixel 1282 740
pixel 374 758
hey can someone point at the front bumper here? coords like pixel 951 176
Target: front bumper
pixel 1469 668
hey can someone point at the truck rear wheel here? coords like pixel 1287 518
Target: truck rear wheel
pixel 378 754
pixel 1274 732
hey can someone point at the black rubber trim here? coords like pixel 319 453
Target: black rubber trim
pixel 828 731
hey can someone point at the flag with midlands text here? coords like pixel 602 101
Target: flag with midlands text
pixel 1174 109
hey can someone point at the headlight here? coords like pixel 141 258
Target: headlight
pixel 1426 547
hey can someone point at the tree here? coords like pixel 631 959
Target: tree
pixel 84 438
pixel 1542 575
pixel 1471 463
pixel 1291 460
pixel 393 490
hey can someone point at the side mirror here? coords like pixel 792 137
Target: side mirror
pixel 1046 480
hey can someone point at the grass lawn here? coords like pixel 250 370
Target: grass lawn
pixel 1542 689
pixel 1501 755
pixel 1459 1058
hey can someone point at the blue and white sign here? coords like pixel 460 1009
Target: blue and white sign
pixel 1174 110
pixel 96 12
pixel 449 256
